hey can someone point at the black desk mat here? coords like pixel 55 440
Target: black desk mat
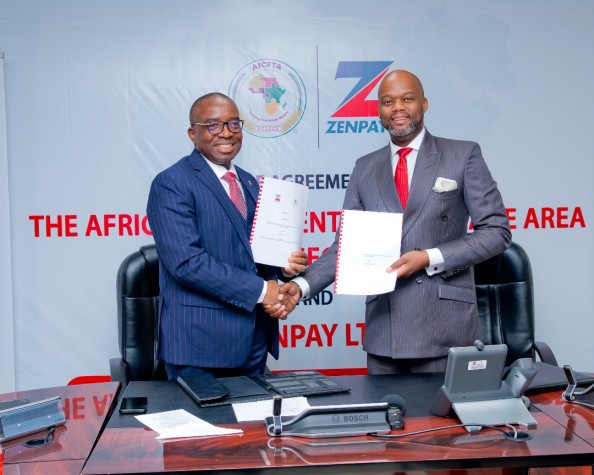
pixel 417 390
pixel 549 377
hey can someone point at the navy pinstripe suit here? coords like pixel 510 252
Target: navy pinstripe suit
pixel 425 315
pixel 209 281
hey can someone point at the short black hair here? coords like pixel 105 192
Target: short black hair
pixel 201 99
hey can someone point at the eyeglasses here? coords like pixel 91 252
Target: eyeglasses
pixel 216 126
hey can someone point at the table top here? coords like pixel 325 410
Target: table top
pixel 577 420
pixel 86 408
pixel 132 448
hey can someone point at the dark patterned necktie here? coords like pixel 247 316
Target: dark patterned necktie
pixel 236 194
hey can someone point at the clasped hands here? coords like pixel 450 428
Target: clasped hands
pixel 280 300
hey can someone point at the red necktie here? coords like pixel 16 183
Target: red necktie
pixel 401 175
pixel 236 194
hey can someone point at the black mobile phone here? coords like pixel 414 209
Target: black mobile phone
pixel 133 405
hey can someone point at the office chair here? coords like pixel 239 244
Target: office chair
pixel 137 289
pixel 505 298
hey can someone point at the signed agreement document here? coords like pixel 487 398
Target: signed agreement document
pixel 278 224
pixel 368 243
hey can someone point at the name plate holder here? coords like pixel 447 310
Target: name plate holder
pixel 26 417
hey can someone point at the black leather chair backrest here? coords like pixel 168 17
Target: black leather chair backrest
pixel 504 295
pixel 137 305
pixel 506 302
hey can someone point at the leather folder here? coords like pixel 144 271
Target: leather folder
pixel 207 390
pixel 551 377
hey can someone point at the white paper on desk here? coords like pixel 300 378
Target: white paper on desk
pixel 278 223
pixel 260 410
pixel 369 242
pixel 180 423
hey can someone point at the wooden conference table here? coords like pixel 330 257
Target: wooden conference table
pixel 564 438
pixel 86 407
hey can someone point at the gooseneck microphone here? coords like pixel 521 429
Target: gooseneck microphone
pixel 330 421
pixel 276 415
pixel 396 411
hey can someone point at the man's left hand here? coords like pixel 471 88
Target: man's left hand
pixel 410 263
pixel 297 263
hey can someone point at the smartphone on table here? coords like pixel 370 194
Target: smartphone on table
pixel 133 405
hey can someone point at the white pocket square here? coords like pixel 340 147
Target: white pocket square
pixel 444 184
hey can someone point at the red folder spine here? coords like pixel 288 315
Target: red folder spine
pixel 257 209
pixel 338 252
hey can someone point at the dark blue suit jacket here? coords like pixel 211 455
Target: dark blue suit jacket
pixel 209 281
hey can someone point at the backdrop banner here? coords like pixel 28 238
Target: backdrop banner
pixel 97 102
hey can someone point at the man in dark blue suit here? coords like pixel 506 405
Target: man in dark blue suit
pixel 210 317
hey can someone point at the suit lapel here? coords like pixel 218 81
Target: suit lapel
pixel 385 182
pixel 205 174
pixel 423 178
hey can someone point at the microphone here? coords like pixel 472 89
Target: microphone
pixel 396 411
pixel 276 415
pixel 330 421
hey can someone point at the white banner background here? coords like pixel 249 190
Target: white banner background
pixel 97 98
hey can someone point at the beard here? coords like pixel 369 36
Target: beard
pixel 416 124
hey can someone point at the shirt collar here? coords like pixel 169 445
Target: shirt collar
pixel 220 170
pixel 415 144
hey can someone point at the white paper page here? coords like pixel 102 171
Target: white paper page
pixel 278 225
pixel 260 410
pixel 369 243
pixel 180 423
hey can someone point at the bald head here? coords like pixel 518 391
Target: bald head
pixel 401 75
pixel 402 105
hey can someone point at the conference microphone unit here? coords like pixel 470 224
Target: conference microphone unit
pixel 396 411
pixel 330 421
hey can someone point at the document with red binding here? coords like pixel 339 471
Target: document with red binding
pixel 279 220
pixel 369 242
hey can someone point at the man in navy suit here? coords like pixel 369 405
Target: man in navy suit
pixel 433 305
pixel 210 315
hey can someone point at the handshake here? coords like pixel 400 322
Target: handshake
pixel 280 300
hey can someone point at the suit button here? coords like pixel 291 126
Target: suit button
pixel 444 217
pixel 419 280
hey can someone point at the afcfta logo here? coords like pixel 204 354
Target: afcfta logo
pixel 270 96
